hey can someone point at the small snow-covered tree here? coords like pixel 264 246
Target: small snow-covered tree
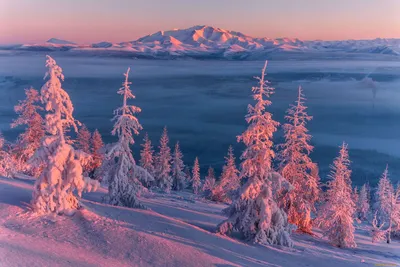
pixel 255 213
pixel 83 139
pixel 83 144
pixel 28 141
pixel 377 233
pixel 209 183
pixel 383 197
pixel 163 164
pixel 7 163
pixel 124 184
pixel 188 176
pixel 178 175
pixel 297 167
pixel 229 182
pixel 62 172
pixel 146 155
pixel 337 215
pixel 196 182
pixel 96 143
pixel 387 206
pixel 363 203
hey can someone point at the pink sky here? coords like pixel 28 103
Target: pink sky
pixel 25 21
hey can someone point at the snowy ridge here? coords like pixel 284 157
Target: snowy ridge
pixel 177 231
pixel 210 42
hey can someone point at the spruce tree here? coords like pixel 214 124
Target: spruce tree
pixel 297 167
pixel 337 215
pixel 196 182
pixel 54 190
pixel 163 164
pixel 178 175
pixel 255 213
pixel 124 185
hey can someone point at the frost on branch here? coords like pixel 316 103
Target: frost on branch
pixel 124 186
pixel 54 190
pixel 255 213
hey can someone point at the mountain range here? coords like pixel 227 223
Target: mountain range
pixel 204 42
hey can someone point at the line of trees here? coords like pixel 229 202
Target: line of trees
pixel 275 190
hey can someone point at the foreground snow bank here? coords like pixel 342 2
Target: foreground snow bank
pixel 177 231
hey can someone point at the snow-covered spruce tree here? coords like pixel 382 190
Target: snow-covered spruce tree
pixel 83 144
pixel 337 215
pixel 188 176
pixel 196 182
pixel 124 186
pixel 83 139
pixel 178 175
pixel 163 164
pixel 96 143
pixel 297 167
pixel 28 141
pixel 387 206
pixel 255 213
pixel 363 203
pixel 146 155
pixel 229 182
pixel 62 172
pixel 209 183
pixel 7 162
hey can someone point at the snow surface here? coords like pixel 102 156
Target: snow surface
pixel 177 231
pixel 204 41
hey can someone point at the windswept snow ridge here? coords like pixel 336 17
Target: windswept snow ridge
pixel 206 42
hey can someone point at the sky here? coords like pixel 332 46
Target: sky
pixel 87 21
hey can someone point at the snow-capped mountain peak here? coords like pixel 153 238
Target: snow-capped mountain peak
pixel 203 41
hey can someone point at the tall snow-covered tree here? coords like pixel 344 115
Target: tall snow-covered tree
pixel 146 155
pixel 178 175
pixel 83 139
pixel 209 183
pixel 297 167
pixel 229 182
pixel 387 206
pixel 96 143
pixel 255 213
pixel 337 215
pixel 196 182
pixel 363 203
pixel 28 141
pixel 62 172
pixel 163 163
pixel 124 185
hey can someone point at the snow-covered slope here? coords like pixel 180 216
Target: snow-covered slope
pixel 59 42
pixel 211 42
pixel 177 231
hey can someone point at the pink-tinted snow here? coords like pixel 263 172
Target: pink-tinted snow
pixel 176 231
